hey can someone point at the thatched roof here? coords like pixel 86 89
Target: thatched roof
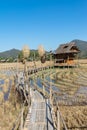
pixel 67 48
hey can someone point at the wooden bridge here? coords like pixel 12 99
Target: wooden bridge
pixel 39 114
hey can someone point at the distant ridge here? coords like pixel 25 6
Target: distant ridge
pixel 13 53
pixel 82 45
pixel 10 53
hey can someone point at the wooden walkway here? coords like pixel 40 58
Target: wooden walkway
pixel 39 115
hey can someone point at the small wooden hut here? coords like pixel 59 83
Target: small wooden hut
pixel 65 54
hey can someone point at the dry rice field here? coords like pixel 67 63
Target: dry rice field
pixel 69 87
pixel 72 96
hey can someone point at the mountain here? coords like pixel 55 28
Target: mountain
pixel 82 45
pixel 14 53
pixel 10 53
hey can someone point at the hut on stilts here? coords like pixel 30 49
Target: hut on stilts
pixel 65 54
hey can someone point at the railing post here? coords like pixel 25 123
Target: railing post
pixel 21 125
pixel 50 87
pixel 43 90
pixel 58 120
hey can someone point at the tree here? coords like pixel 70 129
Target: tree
pixel 20 56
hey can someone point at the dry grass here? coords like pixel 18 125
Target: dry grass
pixel 10 109
pixel 8 112
pixel 75 117
pixel 8 117
pixel 13 66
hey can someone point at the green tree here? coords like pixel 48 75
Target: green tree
pixel 20 56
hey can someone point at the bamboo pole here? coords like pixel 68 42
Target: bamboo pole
pixel 21 125
pixel 50 82
pixel 58 120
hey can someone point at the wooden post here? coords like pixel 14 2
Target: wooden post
pixel 43 89
pixel 58 120
pixel 50 94
pixel 77 61
pixel 21 125
pixel 29 94
pixel 68 62
pixel 17 66
pixel 50 80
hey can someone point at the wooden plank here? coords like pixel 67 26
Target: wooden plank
pixel 40 115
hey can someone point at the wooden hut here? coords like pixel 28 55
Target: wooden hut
pixel 65 54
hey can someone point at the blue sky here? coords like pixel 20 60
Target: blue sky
pixel 46 22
